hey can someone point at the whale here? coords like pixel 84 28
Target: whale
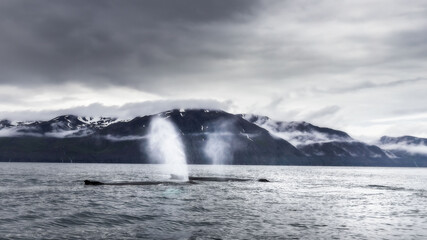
pixel 191 180
pixel 215 179
pixel 225 179
pixel 145 183
pixel 218 179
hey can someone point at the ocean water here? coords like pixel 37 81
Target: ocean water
pixel 50 201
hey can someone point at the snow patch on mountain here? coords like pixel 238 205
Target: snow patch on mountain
pixel 59 127
pixel 98 122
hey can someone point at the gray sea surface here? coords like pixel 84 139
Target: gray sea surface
pixel 50 201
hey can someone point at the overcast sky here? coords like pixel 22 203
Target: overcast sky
pixel 359 66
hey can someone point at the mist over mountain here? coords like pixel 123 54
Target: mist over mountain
pixel 322 143
pixel 406 140
pixel 405 146
pixel 209 136
pixel 298 133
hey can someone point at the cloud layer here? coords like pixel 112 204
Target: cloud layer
pixel 125 112
pixel 345 64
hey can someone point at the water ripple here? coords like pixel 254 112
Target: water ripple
pixel 48 201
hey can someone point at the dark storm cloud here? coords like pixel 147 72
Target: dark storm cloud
pixel 161 46
pixel 113 42
pixel 323 60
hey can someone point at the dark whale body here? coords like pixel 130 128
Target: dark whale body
pixel 146 183
pixel 192 180
pixel 218 179
pixel 224 179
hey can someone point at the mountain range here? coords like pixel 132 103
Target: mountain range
pixel 208 135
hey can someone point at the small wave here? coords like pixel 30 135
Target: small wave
pixel 383 187
pixel 307 226
pixel 421 194
pixel 298 225
pixel 92 218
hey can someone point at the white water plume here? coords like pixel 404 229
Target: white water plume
pixel 165 147
pixel 218 148
pixel 221 143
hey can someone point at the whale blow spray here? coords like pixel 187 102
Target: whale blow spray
pixel 165 147
pixel 220 144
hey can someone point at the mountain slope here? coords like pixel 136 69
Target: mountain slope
pixel 209 136
pixel 62 126
pixel 245 143
pixel 404 146
pixel 298 132
pixel 317 141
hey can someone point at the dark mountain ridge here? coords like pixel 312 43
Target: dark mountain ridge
pixel 247 139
